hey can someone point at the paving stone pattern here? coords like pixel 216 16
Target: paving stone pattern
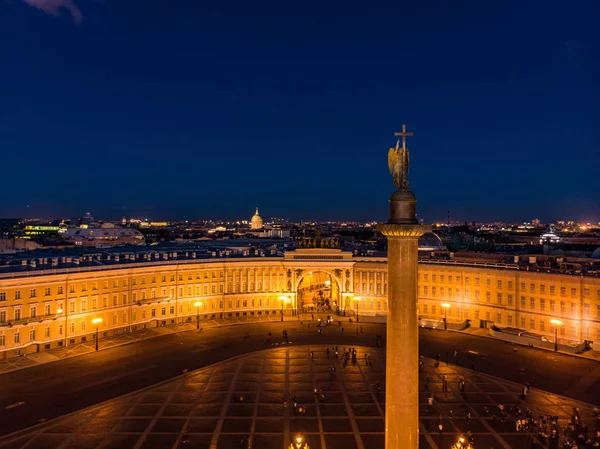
pixel 251 398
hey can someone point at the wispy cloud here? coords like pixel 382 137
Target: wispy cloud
pixel 53 7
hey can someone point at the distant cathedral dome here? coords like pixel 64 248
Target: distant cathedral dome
pixel 256 222
pixel 431 242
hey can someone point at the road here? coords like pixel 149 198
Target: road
pixel 51 390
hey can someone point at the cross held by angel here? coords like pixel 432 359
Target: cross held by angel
pixel 399 160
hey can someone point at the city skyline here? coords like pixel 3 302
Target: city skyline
pixel 208 112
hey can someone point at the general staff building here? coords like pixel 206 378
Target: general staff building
pixel 50 306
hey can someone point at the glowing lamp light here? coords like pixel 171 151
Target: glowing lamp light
pixel 299 443
pixel 445 305
pixel 97 321
pixel 198 304
pixel 59 310
pixel 556 322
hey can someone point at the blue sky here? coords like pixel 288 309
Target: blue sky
pixel 194 110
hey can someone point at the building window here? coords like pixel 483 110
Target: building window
pixel 563 291
pixel 573 292
pixel 532 303
pixel 47 309
pixel 32 334
pixel 171 310
pixel 47 291
pixel 17 338
pixel 552 306
pixel 532 288
pixel 499 298
pixel 72 289
pixel 153 312
pixel 47 332
pixel 488 282
pixel 542 304
pixel 94 303
pixel 163 311
pixel 522 302
pixel 17 294
pixel 498 283
pixel 499 318
pixel 510 320
pixel 510 299
pixel 33 311
pixel 542 288
pixel 563 308
pixel 73 327
pixel 523 286
pixel 32 293
pixel 60 329
pixel 573 309
pixel 60 290
pixel 2 340
pixel 523 322
pixel 2 317
pixel 72 307
pixel 83 325
pixel 2 296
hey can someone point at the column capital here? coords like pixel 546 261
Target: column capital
pixel 403 231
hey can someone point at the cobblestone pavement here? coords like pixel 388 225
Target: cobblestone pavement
pixel 244 398
pixel 19 363
pixel 52 355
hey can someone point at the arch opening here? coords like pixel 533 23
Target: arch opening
pixel 318 291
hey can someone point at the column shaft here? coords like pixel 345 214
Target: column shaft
pixel 402 347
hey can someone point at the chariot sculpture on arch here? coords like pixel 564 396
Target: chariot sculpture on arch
pixel 399 160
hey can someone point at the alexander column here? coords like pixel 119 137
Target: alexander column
pixel 402 347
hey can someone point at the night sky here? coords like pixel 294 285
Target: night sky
pixel 206 109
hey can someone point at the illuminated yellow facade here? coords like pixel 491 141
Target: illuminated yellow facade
pixel 40 310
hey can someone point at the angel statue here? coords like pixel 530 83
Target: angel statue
pixel 398 163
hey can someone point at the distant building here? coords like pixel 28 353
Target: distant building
pixel 549 237
pixel 256 222
pixel 106 234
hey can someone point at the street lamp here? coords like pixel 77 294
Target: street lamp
pixel 96 321
pixel 462 443
pixel 357 299
pixel 556 324
pixel 446 306
pixel 283 299
pixel 298 443
pixel 198 304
